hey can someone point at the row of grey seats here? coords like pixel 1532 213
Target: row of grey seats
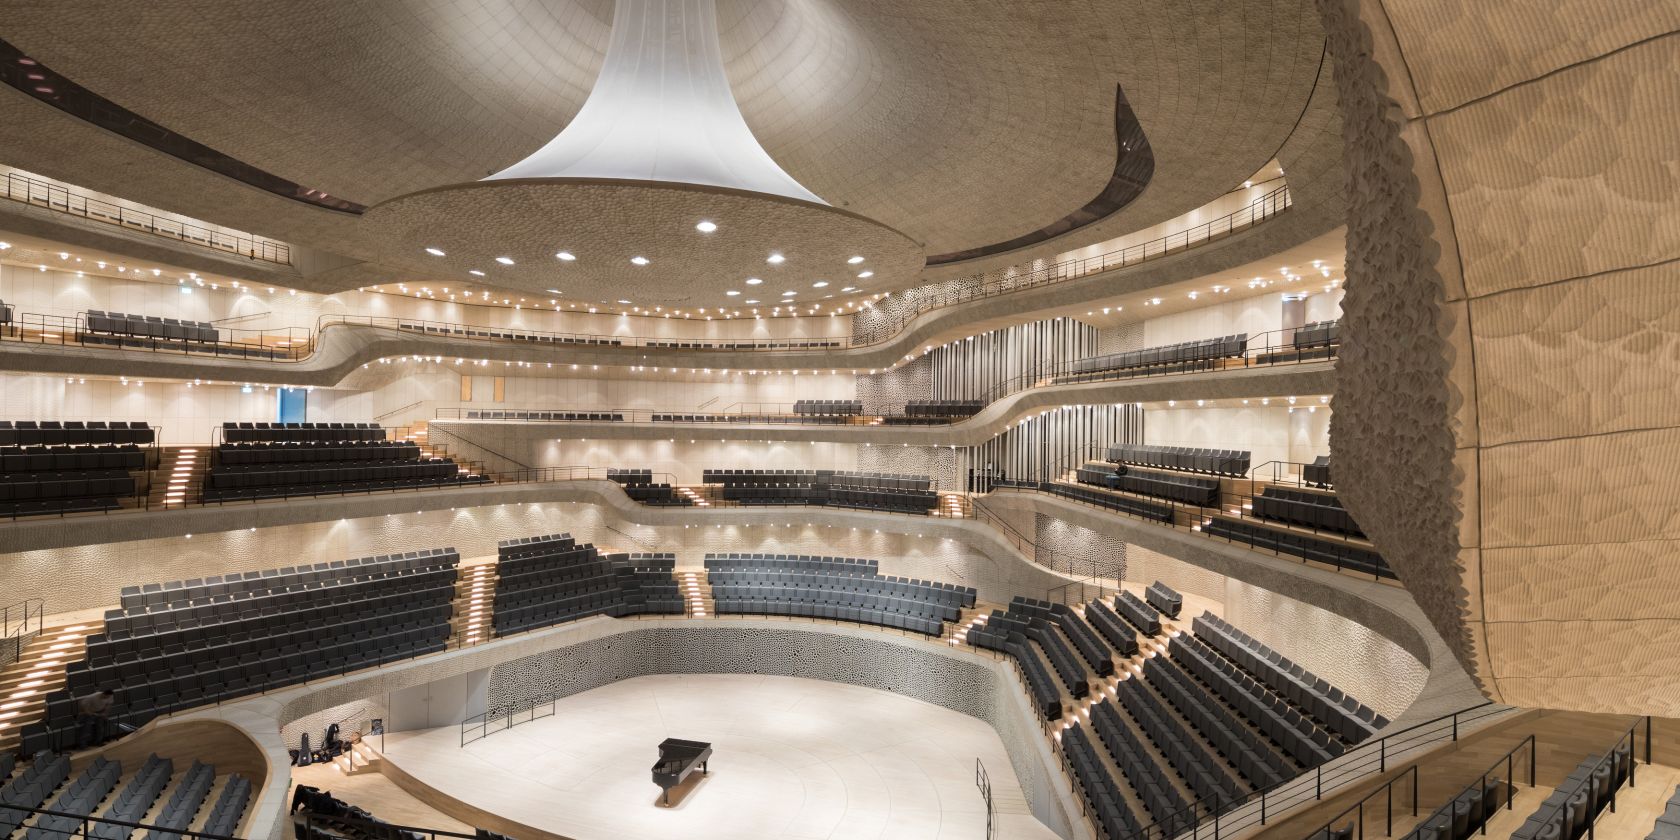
pixel 182 591
pixel 150 326
pixel 1231 462
pixel 75 432
pixel 1344 715
pixel 549 416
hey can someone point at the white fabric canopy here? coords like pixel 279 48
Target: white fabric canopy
pixel 662 110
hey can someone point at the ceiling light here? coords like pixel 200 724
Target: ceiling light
pixel 849 289
pixel 639 260
pixel 820 284
pixel 625 302
pixel 752 300
pixel 732 293
pixel 476 273
pixel 775 259
pixel 789 294
pixel 855 260
pixel 436 252
pixel 706 227
pixel 753 281
pixel 568 256
pixel 505 260
pixel 865 275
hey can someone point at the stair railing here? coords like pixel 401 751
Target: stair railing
pixel 20 623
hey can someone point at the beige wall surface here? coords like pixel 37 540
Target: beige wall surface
pixel 1505 417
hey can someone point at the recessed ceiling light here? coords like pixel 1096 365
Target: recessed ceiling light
pixel 789 294
pixel 849 289
pixel 753 281
pixel 752 300
pixel 706 227
pixel 820 284
pixel 775 259
pixel 476 273
pixel 855 260
pixel 865 275
pixel 568 256
pixel 550 291
pixel 505 260
pixel 639 260
pixel 732 293
pixel 625 302
pixel 436 252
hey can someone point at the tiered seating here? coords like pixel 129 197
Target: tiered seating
pixel 1242 747
pixel 797 344
pixel 507 335
pixel 1167 807
pixel 1230 462
pixel 188 643
pixel 229 809
pixel 1307 508
pixel 1463 815
pixel 839 588
pixel 309 459
pixel 300 452
pixel 75 433
pixel 1156 511
pixel 1288 728
pixel 1084 639
pixel 1348 718
pixel 551 579
pixel 871 491
pixel 1340 554
pixel 1203 773
pixel 1312 340
pixel 1006 636
pixel 1003 625
pixel 1162 597
pixel 1189 489
pixel 1575 804
pixel 1119 634
pixel 81 798
pixel 31 788
pixel 300 432
pixel 1137 613
pixel 549 416
pixel 183 804
pixel 828 408
pixel 5 315
pixel 52 467
pixel 1102 797
pixel 1317 473
pixel 921 412
pixel 149 326
pixel 797 419
pixel 1668 825
pixel 135 799
pixel 1167 358
pixel 640 487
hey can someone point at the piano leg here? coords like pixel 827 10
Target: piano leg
pixel 667 796
pixel 704 770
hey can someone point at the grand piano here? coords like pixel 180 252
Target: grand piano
pixel 677 759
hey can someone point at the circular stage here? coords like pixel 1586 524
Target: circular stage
pixel 792 758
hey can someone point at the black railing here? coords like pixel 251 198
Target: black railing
pixel 1267 804
pixel 20 623
pixel 1006 281
pixel 85 825
pixel 278 345
pixel 318 826
pixel 984 782
pixel 1587 783
pixel 36 193
pixel 485 724
pixel 1386 791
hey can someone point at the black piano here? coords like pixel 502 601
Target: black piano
pixel 677 759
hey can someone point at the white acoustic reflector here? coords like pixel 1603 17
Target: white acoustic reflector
pixel 662 110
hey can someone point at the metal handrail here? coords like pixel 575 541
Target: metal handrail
pixel 485 720
pixel 15 630
pixel 1007 280
pixel 1588 779
pixel 309 820
pixel 1508 759
pixel 1256 807
pixel 983 781
pixel 26 190
pixel 289 344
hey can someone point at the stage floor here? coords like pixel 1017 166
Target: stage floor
pixel 792 758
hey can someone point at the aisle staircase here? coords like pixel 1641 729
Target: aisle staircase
pixel 360 758
pixel 475 597
pixel 416 433
pixel 952 505
pixel 697 592
pixel 38 672
pixel 178 478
